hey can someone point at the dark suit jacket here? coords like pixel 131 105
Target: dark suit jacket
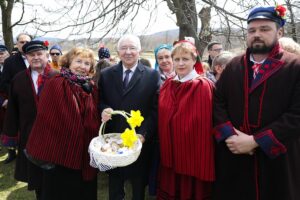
pixel 12 65
pixel 140 94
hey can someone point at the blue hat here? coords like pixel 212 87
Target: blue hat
pixel 275 14
pixel 3 48
pixel 103 53
pixel 35 45
pixel 57 47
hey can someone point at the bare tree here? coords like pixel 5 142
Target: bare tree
pixel 97 18
pixel 187 21
pixel 205 35
pixel 6 16
pixel 6 8
pixel 72 17
pixel 293 31
pixel 85 18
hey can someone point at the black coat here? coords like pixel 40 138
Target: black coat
pixel 12 65
pixel 141 94
pixel 270 111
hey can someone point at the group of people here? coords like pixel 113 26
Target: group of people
pixel 233 137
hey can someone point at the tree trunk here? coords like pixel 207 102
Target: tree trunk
pixel 205 35
pixel 6 10
pixel 293 31
pixel 186 15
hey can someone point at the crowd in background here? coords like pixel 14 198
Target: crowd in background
pixel 222 128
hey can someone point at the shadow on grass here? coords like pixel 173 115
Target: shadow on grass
pixel 10 189
pixel 6 172
pixel 21 194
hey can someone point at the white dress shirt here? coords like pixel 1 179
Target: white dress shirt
pixel 34 76
pixel 131 73
pixel 25 61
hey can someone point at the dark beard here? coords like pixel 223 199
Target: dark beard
pixel 261 49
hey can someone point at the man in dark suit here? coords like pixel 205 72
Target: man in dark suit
pixel 129 85
pixel 13 65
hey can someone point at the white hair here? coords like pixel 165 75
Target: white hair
pixel 136 41
pixel 222 59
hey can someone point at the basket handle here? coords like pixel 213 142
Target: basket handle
pixel 115 112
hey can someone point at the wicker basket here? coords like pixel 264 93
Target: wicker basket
pixel 105 161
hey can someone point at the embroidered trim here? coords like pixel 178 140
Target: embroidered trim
pixel 269 144
pixel 223 131
pixel 8 141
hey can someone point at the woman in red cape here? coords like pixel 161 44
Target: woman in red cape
pixel 185 130
pixel 67 120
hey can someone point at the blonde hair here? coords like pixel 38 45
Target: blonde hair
pixel 205 66
pixel 185 47
pixel 66 59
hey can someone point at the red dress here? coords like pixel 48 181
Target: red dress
pixel 186 142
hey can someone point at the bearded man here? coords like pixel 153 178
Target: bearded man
pixel 257 116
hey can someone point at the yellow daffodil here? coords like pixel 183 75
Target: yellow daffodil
pixel 135 118
pixel 129 137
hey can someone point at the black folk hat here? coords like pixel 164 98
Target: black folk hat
pixel 35 45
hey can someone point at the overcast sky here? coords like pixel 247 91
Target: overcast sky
pixel 162 20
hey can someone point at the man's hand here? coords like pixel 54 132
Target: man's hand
pixel 106 114
pixel 241 143
pixel 4 104
pixel 141 138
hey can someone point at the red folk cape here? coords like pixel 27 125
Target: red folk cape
pixel 185 128
pixel 67 120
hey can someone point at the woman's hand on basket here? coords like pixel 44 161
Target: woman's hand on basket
pixel 106 114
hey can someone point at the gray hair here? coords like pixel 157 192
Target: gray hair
pixel 222 59
pixel 20 34
pixel 136 41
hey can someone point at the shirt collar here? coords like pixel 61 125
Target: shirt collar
pixel 193 74
pixel 255 62
pixel 132 68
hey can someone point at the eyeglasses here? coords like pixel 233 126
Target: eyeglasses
pixel 123 49
pixel 54 54
pixel 217 50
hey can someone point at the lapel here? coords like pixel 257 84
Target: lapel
pixel 137 75
pixel 118 77
pixel 268 68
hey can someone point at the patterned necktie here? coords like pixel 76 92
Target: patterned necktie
pixel 126 79
pixel 256 68
pixel 39 83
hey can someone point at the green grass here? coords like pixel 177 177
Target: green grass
pixel 10 189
